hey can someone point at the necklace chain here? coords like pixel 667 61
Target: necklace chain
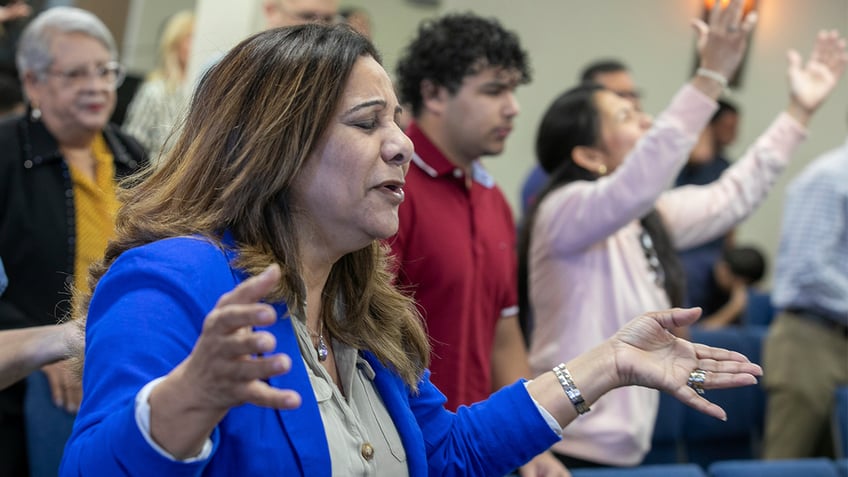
pixel 321 348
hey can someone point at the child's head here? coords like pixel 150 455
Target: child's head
pixel 745 264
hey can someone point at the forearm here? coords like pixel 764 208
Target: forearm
pixel 25 350
pixel 592 373
pixel 509 356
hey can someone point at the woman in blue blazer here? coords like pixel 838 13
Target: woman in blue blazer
pixel 244 322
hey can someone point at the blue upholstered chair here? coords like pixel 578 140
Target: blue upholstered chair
pixel 707 439
pixel 774 468
pixel 842 467
pixel 669 470
pixel 840 424
pixel 759 311
pixel 667 440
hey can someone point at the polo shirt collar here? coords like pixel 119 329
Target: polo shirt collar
pixel 437 165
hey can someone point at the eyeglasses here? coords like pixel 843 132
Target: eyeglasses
pixel 654 264
pixel 112 74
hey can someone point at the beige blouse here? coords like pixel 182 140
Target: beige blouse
pixel 361 435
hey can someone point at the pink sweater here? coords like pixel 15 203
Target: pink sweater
pixel 588 272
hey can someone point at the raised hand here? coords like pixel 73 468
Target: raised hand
pixel 810 83
pixel 226 368
pixel 647 354
pixel 722 42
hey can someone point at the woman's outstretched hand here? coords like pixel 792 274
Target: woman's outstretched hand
pixel 810 83
pixel 647 354
pixel 722 41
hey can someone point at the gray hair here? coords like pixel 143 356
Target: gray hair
pixel 34 45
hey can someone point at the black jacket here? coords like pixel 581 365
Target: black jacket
pixel 37 219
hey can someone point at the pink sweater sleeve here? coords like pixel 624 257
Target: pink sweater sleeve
pixel 697 214
pixel 599 208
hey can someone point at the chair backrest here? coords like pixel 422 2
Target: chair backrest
pixel 671 470
pixel 774 468
pixel 842 467
pixel 840 425
pixel 707 439
pixel 759 311
pixel 667 440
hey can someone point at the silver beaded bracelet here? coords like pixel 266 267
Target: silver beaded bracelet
pixel 570 389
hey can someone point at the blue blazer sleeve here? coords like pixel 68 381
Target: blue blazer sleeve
pixel 145 316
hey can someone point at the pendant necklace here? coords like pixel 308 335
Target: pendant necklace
pixel 321 348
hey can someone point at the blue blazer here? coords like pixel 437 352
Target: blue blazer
pixel 147 313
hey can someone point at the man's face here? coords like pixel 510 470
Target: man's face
pixel 283 13
pixel 620 83
pixel 479 116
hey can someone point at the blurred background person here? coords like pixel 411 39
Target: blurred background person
pixel 732 276
pixel 807 344
pixel 283 13
pixel 162 98
pixel 11 94
pixel 603 238
pixel 57 208
pixel 358 19
pixel 613 75
pixel 707 162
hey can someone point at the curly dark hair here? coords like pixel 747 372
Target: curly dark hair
pixel 452 47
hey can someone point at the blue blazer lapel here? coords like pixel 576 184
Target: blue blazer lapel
pixel 302 426
pixel 395 396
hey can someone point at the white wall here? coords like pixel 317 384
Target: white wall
pixel 144 25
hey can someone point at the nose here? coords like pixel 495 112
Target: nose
pixel 511 108
pixel 397 148
pixel 646 121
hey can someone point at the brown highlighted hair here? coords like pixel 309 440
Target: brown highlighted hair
pixel 253 122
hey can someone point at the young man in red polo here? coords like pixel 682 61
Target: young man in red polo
pixel 456 241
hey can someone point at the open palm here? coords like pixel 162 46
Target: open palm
pixel 811 82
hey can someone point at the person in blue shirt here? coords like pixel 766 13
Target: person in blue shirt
pixel 807 345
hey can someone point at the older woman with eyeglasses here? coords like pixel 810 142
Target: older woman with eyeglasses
pixel 58 173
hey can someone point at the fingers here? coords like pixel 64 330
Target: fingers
pixel 676 317
pixel 254 288
pixel 704 352
pixel 750 22
pixel 264 395
pixel 700 28
pixel 688 396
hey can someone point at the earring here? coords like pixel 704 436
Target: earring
pixel 34 113
pixel 602 170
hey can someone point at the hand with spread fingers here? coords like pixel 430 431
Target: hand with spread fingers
pixel 810 83
pixel 226 369
pixel 647 354
pixel 722 41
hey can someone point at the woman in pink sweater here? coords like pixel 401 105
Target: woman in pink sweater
pixel 599 246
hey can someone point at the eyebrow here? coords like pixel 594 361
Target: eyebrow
pixel 367 104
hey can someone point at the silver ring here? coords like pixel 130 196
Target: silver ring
pixel 696 380
pixel 732 29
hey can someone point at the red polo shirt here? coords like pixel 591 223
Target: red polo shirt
pixel 456 252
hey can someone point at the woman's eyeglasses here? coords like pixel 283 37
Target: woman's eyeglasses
pixel 111 74
pixel 654 264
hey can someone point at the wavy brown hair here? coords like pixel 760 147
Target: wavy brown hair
pixel 254 120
